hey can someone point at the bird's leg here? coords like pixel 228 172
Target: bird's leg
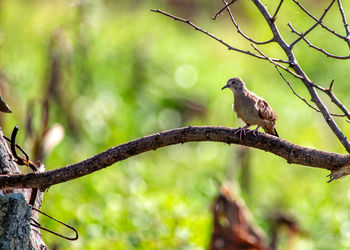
pixel 255 131
pixel 242 130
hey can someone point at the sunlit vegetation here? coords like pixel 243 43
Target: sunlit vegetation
pixel 123 72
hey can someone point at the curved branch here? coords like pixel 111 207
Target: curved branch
pixel 301 98
pixel 276 64
pixel 214 37
pixel 315 47
pixel 239 29
pixel 337 163
pixel 220 11
pixel 346 25
pixel 313 26
pixel 314 18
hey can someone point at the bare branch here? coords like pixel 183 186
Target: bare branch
pixel 327 117
pixel 278 8
pixel 301 98
pixel 276 34
pixel 220 11
pixel 313 17
pixel 276 64
pixel 335 100
pixel 295 93
pixel 331 85
pixel 313 26
pixel 292 153
pixel 346 26
pixel 318 48
pixel 239 30
pixel 214 37
pixel 307 82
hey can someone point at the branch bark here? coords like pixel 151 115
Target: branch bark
pixel 8 167
pixel 339 164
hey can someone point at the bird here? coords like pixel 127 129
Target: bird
pixel 252 109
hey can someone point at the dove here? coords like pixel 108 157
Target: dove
pixel 252 109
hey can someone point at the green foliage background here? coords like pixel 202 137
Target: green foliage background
pixel 128 72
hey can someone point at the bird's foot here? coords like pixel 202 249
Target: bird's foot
pixel 255 132
pixel 243 130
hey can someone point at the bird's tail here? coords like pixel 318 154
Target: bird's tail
pixel 270 129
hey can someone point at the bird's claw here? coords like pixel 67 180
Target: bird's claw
pixel 241 131
pixel 254 132
pixel 245 131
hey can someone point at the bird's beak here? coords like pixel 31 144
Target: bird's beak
pixel 226 86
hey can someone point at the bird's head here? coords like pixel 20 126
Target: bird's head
pixel 234 84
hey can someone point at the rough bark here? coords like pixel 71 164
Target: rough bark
pixel 337 163
pixel 15 211
pixel 15 215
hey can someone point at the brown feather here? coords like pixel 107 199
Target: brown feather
pixel 265 111
pixel 268 115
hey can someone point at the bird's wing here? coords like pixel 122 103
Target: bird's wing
pixel 265 111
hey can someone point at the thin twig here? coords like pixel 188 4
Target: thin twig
pixel 239 30
pixel 301 98
pixel 214 37
pixel 295 93
pixel 313 26
pixel 278 8
pixel 276 64
pixel 313 17
pixel 331 85
pixel 317 48
pixel 333 98
pixel 220 11
pixel 346 26
pixel 20 160
pixel 336 101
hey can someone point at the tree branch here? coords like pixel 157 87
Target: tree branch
pixel 346 26
pixel 239 29
pixel 276 64
pixel 301 98
pixel 278 8
pixel 339 164
pixel 317 48
pixel 220 11
pixel 313 17
pixel 313 26
pixel 214 37
pixel 336 101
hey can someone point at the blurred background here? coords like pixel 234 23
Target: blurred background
pixel 83 76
